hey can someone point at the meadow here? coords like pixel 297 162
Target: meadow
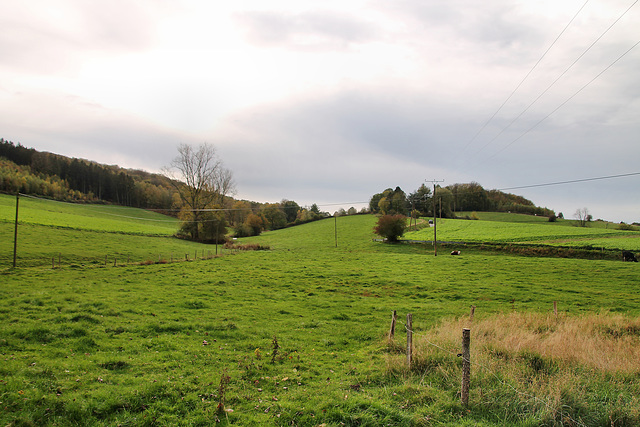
pixel 527 229
pixel 297 335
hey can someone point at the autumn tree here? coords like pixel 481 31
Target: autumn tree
pixel 201 181
pixel 391 227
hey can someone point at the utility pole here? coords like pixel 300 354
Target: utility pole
pixel 435 240
pixel 15 233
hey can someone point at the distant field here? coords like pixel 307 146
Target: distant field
pixel 532 232
pixel 296 335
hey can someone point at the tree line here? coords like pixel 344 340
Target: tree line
pixel 41 173
pixel 448 201
pixel 200 194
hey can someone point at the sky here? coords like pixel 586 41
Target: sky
pixel 330 102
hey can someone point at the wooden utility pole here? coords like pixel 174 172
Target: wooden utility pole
pixel 435 239
pixel 15 233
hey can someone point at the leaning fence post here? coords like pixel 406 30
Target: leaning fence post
pixel 409 339
pixel 466 366
pixel 555 309
pixel 392 331
pixel 473 311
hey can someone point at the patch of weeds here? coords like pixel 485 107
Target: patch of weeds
pixel 85 318
pixel 114 365
pixel 117 331
pixel 72 333
pixel 312 324
pixel 620 331
pixel 274 349
pixel 85 344
pixel 195 305
pixel 537 363
pixel 341 316
pixel 394 347
pixel 37 335
pixel 429 363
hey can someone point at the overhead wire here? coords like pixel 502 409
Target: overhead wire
pixel 559 77
pixel 566 101
pixel 526 76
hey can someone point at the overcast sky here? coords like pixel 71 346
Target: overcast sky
pixel 333 101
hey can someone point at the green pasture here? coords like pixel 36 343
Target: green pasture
pixel 94 217
pixel 532 232
pixel 294 335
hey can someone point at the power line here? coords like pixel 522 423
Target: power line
pixel 573 181
pixel 562 75
pixel 566 101
pixel 526 76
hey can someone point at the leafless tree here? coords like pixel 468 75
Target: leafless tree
pixel 201 181
pixel 582 215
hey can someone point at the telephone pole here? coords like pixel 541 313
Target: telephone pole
pixel 15 233
pixel 435 241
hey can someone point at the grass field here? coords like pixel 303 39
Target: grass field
pixel 296 335
pixel 525 229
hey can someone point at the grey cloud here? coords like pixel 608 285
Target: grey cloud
pixel 310 30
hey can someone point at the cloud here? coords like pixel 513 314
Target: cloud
pixel 49 36
pixel 316 30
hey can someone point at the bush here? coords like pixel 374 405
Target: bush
pixel 623 226
pixel 391 227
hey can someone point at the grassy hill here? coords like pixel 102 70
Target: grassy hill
pixel 296 335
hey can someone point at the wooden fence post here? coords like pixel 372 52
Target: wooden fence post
pixel 473 311
pixel 53 262
pixel 106 259
pixel 466 366
pixel 409 339
pixel 115 262
pixel 555 309
pixel 392 331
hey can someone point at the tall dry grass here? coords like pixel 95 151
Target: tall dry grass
pixel 569 370
pixel 608 343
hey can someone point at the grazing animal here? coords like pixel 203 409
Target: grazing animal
pixel 455 252
pixel 628 256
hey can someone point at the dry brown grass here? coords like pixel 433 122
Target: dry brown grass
pixel 570 370
pixel 608 343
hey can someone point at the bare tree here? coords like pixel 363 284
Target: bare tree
pixel 582 215
pixel 201 181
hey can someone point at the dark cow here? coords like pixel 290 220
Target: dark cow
pixel 628 256
pixel 455 252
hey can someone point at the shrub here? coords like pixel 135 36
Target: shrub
pixel 623 226
pixel 391 227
